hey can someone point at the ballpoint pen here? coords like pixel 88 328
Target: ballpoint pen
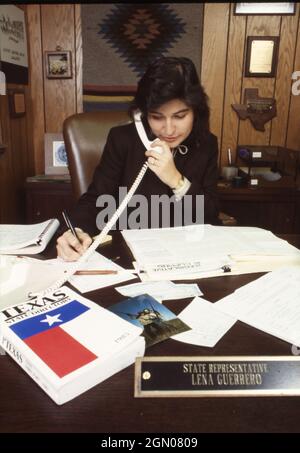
pixel 69 224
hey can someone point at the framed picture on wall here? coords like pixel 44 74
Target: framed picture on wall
pixel 16 100
pixel 58 64
pixel 56 161
pixel 261 56
pixel 13 44
pixel 280 8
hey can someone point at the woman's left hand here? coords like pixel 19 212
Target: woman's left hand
pixel 162 163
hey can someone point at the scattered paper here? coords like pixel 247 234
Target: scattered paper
pixel 208 325
pixel 183 291
pixel 270 303
pixel 85 283
pixel 164 290
pixel 152 288
pixel 21 276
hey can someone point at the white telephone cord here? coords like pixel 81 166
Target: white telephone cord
pixel 99 238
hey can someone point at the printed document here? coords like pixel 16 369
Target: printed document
pixel 164 290
pixel 85 283
pixel 270 303
pixel 208 325
pixel 199 251
pixel 26 239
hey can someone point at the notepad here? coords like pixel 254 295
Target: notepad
pixel 26 239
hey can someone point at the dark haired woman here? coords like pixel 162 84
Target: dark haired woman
pixel 174 111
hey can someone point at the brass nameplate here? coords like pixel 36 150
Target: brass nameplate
pixel 217 376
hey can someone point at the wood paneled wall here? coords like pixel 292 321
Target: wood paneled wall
pixel 224 44
pixel 15 159
pixel 223 55
pixel 53 100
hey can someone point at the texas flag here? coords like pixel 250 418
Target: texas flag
pixel 49 335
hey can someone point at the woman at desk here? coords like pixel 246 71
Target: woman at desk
pixel 174 111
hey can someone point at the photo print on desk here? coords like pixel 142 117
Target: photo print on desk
pixel 158 321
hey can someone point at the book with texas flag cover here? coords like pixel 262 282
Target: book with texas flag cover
pixel 67 343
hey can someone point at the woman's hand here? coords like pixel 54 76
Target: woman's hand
pixel 69 248
pixel 162 164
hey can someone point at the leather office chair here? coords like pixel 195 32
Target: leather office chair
pixel 85 136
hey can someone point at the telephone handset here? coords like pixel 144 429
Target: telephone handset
pixel 142 133
pixel 67 274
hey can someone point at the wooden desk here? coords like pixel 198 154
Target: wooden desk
pixel 110 407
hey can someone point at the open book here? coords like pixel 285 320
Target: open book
pixel 26 239
pixel 67 343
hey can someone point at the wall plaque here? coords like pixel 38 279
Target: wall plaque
pixel 217 376
pixel 257 109
pixel 261 56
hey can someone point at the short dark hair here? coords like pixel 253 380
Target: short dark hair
pixel 169 78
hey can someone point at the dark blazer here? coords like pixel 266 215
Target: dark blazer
pixel 122 159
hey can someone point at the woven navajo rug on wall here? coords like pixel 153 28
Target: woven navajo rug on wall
pixel 120 40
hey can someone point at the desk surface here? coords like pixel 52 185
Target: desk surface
pixel 110 407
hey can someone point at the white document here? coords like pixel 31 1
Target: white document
pixel 270 303
pixel 201 251
pixel 164 290
pixel 26 239
pixel 85 283
pixel 20 276
pixel 208 325
pixel 154 289
pixel 183 291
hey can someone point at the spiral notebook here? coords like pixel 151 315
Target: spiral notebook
pixel 26 239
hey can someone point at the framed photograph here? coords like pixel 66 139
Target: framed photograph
pixel 16 101
pixel 261 56
pixel 279 8
pixel 13 44
pixel 56 161
pixel 58 64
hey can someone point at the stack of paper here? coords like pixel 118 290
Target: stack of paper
pixel 26 239
pixel 199 251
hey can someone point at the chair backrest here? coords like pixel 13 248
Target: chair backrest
pixel 85 135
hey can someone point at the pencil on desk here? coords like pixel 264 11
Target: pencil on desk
pixel 96 272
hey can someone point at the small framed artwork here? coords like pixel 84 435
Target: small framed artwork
pixel 16 101
pixel 58 64
pixel 261 56
pixel 56 161
pixel 275 8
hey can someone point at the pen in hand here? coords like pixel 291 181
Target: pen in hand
pixel 69 224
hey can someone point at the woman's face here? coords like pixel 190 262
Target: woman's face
pixel 172 122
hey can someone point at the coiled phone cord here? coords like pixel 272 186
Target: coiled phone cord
pixel 68 273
